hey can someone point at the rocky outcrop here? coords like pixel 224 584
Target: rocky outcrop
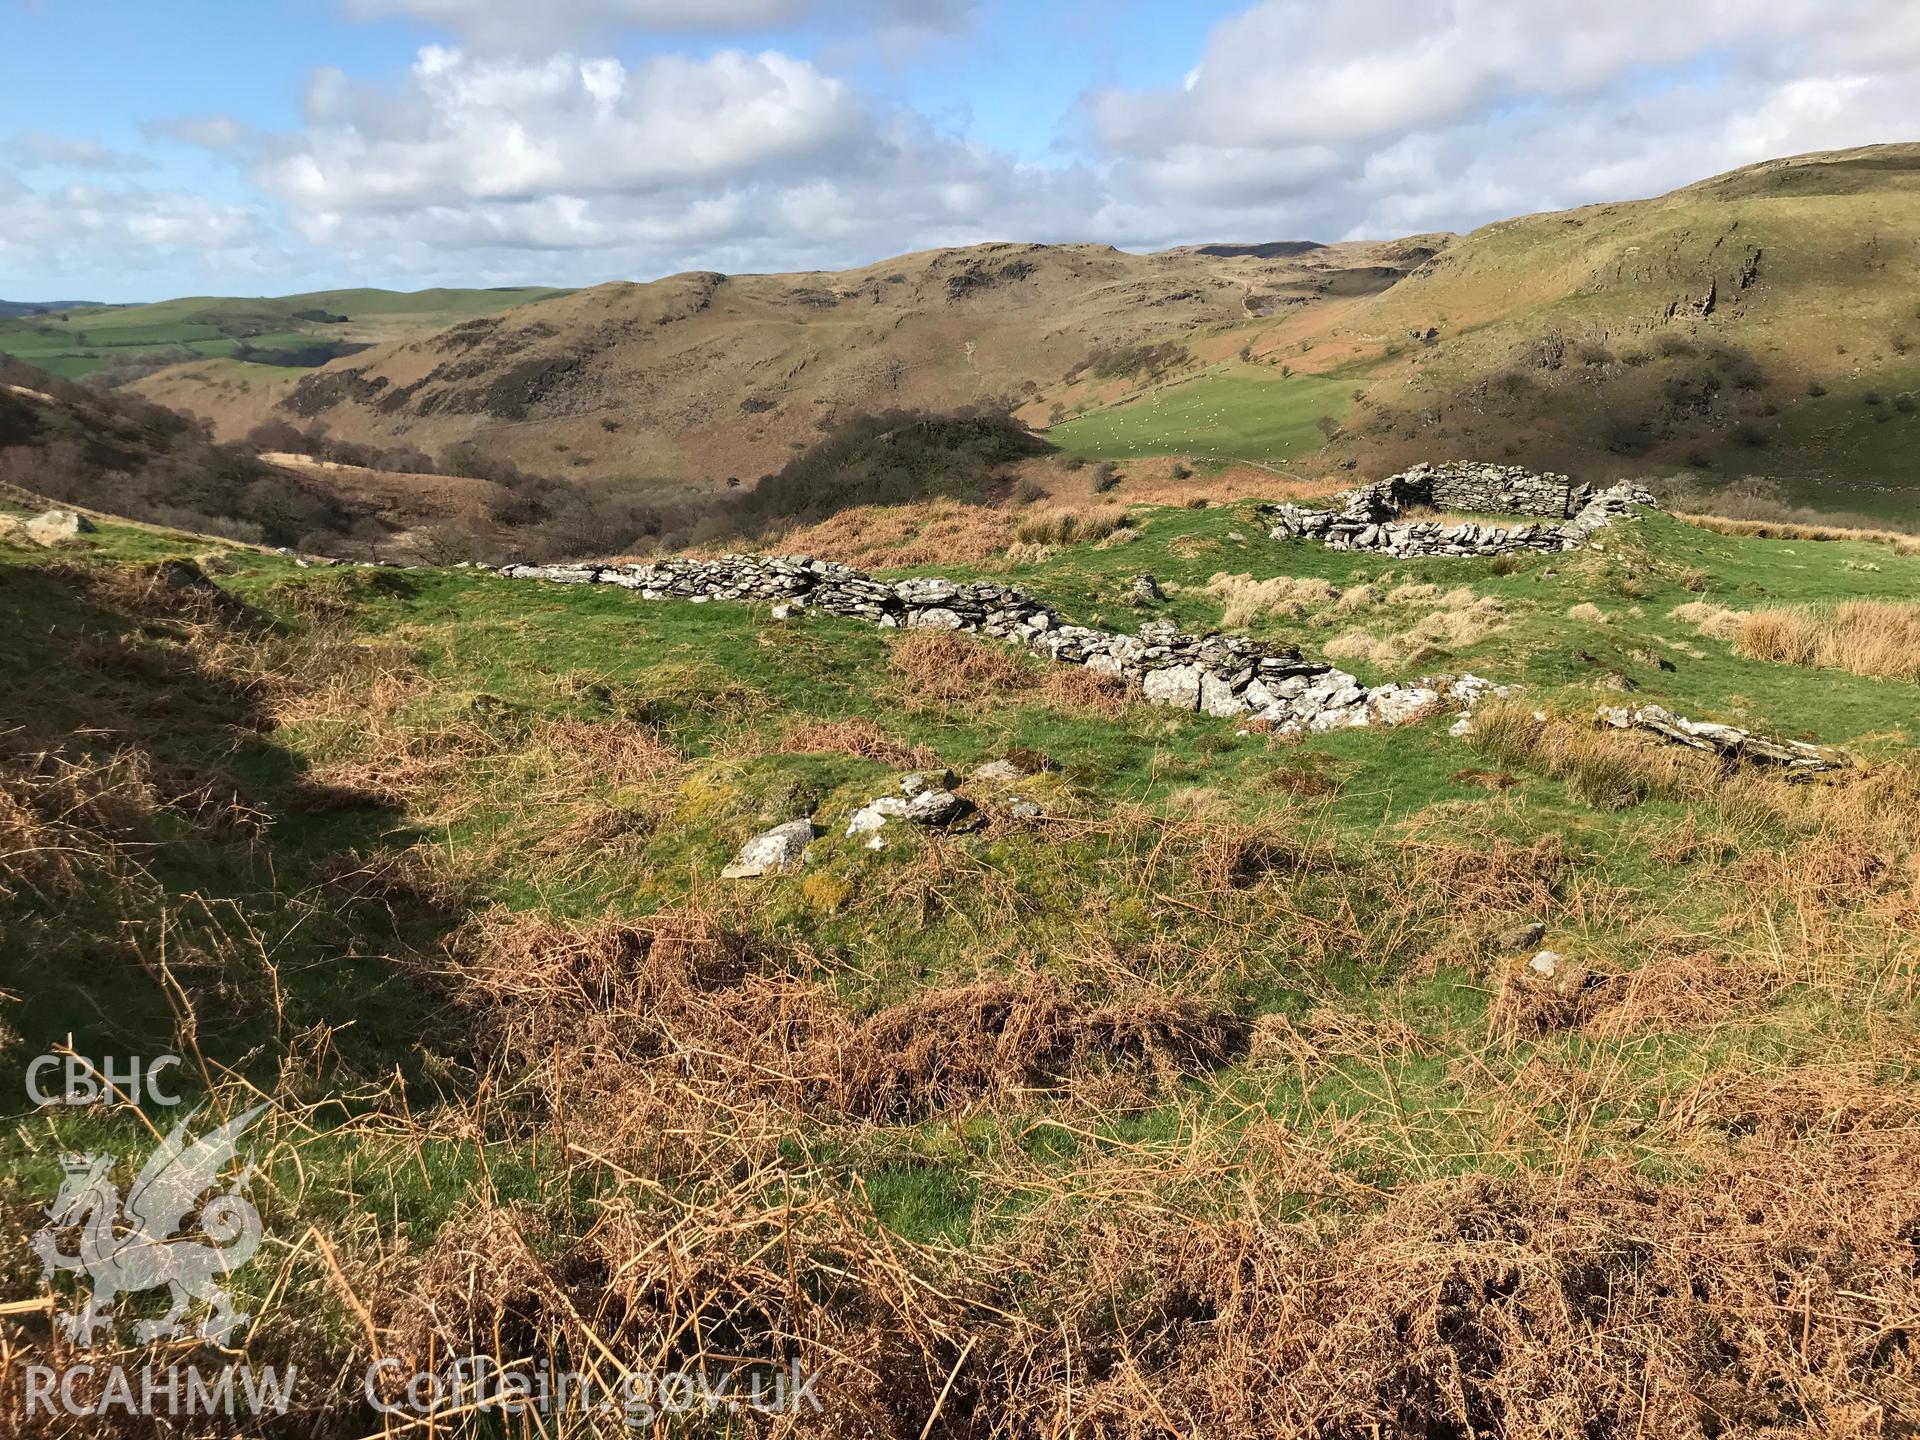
pixel 1364 519
pixel 1222 675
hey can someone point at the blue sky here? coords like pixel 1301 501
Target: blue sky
pixel 150 149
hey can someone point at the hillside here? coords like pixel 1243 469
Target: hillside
pixel 112 452
pixel 712 377
pixel 1761 322
pixel 262 341
pixel 1527 1078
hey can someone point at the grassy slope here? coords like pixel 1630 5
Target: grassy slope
pixel 1216 416
pixel 709 377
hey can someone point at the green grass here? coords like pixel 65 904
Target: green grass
pixel 1217 416
pixel 720 683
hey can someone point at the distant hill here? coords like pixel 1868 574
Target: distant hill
pixel 1761 322
pixel 266 335
pixel 11 308
pixel 706 377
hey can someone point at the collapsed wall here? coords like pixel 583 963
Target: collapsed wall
pixel 1364 518
pixel 1223 675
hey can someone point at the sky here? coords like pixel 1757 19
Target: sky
pixel 271 146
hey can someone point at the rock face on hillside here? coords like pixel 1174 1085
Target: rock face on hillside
pixel 1222 675
pixel 1365 517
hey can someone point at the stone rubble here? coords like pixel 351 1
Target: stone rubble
pixel 1364 519
pixel 871 819
pixel 1729 741
pixel 1214 674
pixel 926 800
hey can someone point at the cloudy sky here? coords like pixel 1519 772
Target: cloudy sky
pixel 264 146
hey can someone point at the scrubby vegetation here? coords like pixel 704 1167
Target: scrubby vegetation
pixel 893 457
pixel 113 452
pixel 1230 1059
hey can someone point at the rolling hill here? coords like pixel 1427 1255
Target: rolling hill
pixel 710 377
pixel 1761 322
pixel 263 338
pixel 9 309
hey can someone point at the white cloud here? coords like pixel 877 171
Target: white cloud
pixel 468 131
pixel 1294 72
pixel 1379 117
pixel 89 230
pixel 207 132
pixel 736 160
pixel 1318 119
pixel 496 25
pixel 37 149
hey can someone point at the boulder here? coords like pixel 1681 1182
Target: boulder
pixel 1521 937
pixel 56 527
pixel 186 575
pixel 998 771
pixel 934 808
pixel 772 853
pixel 1397 704
pixel 921 781
pixel 1217 697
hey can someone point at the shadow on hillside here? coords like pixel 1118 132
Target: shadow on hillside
pixel 162 855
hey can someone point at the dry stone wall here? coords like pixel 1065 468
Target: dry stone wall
pixel 1364 518
pixel 1223 675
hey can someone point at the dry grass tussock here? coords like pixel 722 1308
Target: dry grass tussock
pixel 1473 870
pixel 1245 599
pixel 1464 619
pixel 933 532
pixel 1089 692
pixel 62 818
pixel 1902 544
pixel 600 1015
pixel 1879 638
pixel 859 737
pixel 1716 622
pixel 1070 527
pixel 1605 768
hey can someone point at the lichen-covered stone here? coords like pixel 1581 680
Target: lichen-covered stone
pixel 772 853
